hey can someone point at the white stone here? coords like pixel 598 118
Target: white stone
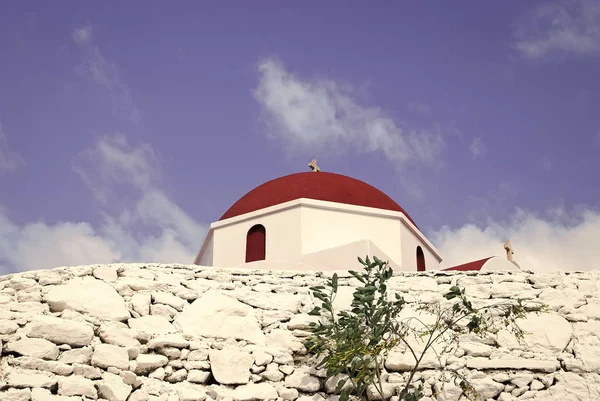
pixel 168 299
pixel 77 385
pixel 487 388
pixel 30 363
pixel 118 334
pixel 29 378
pixel 230 319
pixel 152 325
pixel 140 302
pixel 16 395
pixel 106 273
pixel 255 392
pixel 42 394
pixel 8 326
pixel 231 365
pixel 34 347
pixel 141 395
pixel 149 362
pixel 303 381
pixel 525 364
pixel 77 355
pixel 198 376
pixel 272 373
pixel 302 321
pixel 522 379
pixel 284 340
pixel 175 340
pixel 61 331
pixel 107 355
pixel 546 333
pixel 261 358
pixel 90 296
pixel 190 394
pixel 273 301
pixel 113 388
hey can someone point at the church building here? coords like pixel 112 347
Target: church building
pixel 321 221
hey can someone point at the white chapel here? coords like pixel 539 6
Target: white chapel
pixel 322 221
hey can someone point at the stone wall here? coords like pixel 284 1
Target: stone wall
pixel 189 333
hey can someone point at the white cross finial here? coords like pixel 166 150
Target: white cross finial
pixel 509 250
pixel 313 166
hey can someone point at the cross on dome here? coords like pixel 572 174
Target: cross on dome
pixel 313 166
pixel 509 250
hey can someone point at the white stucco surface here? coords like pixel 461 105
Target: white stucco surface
pixel 301 230
pixel 134 332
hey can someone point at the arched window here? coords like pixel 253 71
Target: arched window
pixel 256 243
pixel 420 260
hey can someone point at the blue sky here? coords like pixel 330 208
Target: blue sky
pixel 126 130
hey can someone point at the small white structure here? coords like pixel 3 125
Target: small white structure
pixel 316 221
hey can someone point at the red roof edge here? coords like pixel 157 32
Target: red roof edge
pixel 470 266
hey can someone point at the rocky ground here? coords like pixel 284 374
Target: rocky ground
pixel 133 332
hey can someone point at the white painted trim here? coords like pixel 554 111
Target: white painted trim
pixel 324 205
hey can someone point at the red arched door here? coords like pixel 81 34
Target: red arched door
pixel 420 260
pixel 256 243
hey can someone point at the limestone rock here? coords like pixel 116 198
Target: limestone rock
pixel 8 326
pixel 105 273
pixel 34 347
pixel 77 355
pixel 61 331
pixel 118 334
pixel 140 395
pixel 148 362
pixel 230 319
pixel 23 378
pixel 187 393
pixel 255 392
pixel 303 381
pixel 231 365
pixel 113 388
pixel 16 395
pixel 42 365
pixel 168 299
pixel 90 296
pixel 198 376
pixel 175 340
pixel 284 340
pixel 525 364
pixel 77 385
pixel 547 333
pixel 86 371
pixel 107 355
pixel 140 302
pixel 152 325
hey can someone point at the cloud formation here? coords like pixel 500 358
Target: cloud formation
pixel 9 158
pixel 320 115
pixel 146 226
pixel 557 240
pixel 105 73
pixel 477 148
pixel 560 26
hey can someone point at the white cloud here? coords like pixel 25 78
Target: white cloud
pixel 82 34
pixel 140 223
pixel 561 26
pixel 317 115
pixel 105 73
pixel 9 158
pixel 557 241
pixel 477 148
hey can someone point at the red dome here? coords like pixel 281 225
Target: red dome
pixel 319 186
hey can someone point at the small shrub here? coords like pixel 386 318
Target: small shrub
pixel 354 344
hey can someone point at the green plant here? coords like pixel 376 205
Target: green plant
pixel 354 344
